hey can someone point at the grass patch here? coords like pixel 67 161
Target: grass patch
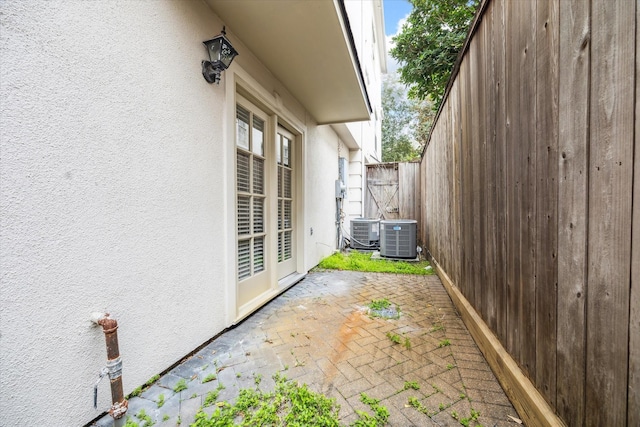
pixel 360 261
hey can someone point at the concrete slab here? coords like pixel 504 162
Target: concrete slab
pixel 319 333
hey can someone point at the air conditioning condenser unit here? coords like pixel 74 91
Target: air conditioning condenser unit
pixel 398 238
pixel 365 233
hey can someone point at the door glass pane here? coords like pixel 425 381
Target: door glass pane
pixel 285 151
pixel 258 175
pixel 244 215
pixel 258 254
pixel 287 214
pixel 287 245
pixel 258 136
pixel 242 128
pixel 287 183
pixel 243 172
pixel 279 181
pixel 258 215
pixel 244 259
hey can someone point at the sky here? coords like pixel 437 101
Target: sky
pixel 395 12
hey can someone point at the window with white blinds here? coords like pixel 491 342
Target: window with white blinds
pixel 250 185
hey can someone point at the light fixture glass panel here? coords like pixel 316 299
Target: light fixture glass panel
pixel 214 46
pixel 227 53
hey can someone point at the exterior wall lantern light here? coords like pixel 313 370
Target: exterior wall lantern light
pixel 221 54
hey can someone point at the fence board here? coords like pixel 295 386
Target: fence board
pixel 633 405
pixel 474 200
pixel 547 32
pixel 489 294
pixel 572 211
pixel 466 173
pixel 527 134
pixel 513 181
pixel 456 195
pixel 497 109
pixel 610 178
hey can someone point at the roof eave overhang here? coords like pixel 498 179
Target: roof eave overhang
pixel 308 47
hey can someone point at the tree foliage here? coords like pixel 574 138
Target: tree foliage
pixel 397 142
pixel 406 122
pixel 428 44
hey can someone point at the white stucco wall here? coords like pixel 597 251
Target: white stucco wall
pixel 117 194
pixel 322 164
pixel 110 181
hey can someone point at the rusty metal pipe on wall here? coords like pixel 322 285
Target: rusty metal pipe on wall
pixel 114 364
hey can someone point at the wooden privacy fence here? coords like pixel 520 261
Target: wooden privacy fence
pixel 531 203
pixel 393 191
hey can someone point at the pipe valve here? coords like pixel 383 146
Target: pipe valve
pixel 102 374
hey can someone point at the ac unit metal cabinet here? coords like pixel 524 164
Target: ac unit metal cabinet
pixel 398 238
pixel 365 233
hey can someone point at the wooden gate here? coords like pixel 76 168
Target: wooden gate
pixel 393 191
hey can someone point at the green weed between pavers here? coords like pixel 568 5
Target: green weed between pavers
pixel 359 261
pixel 472 420
pixel 138 390
pixel 208 378
pixel 395 338
pixel 180 385
pixel 382 308
pixel 444 343
pixel 411 385
pixel 143 416
pixel 160 400
pixel 289 404
pixel 379 304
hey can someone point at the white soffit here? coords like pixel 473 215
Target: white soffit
pixel 306 45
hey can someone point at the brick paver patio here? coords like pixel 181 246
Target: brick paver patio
pixel 319 333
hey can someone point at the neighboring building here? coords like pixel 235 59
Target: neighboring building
pixel 130 185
